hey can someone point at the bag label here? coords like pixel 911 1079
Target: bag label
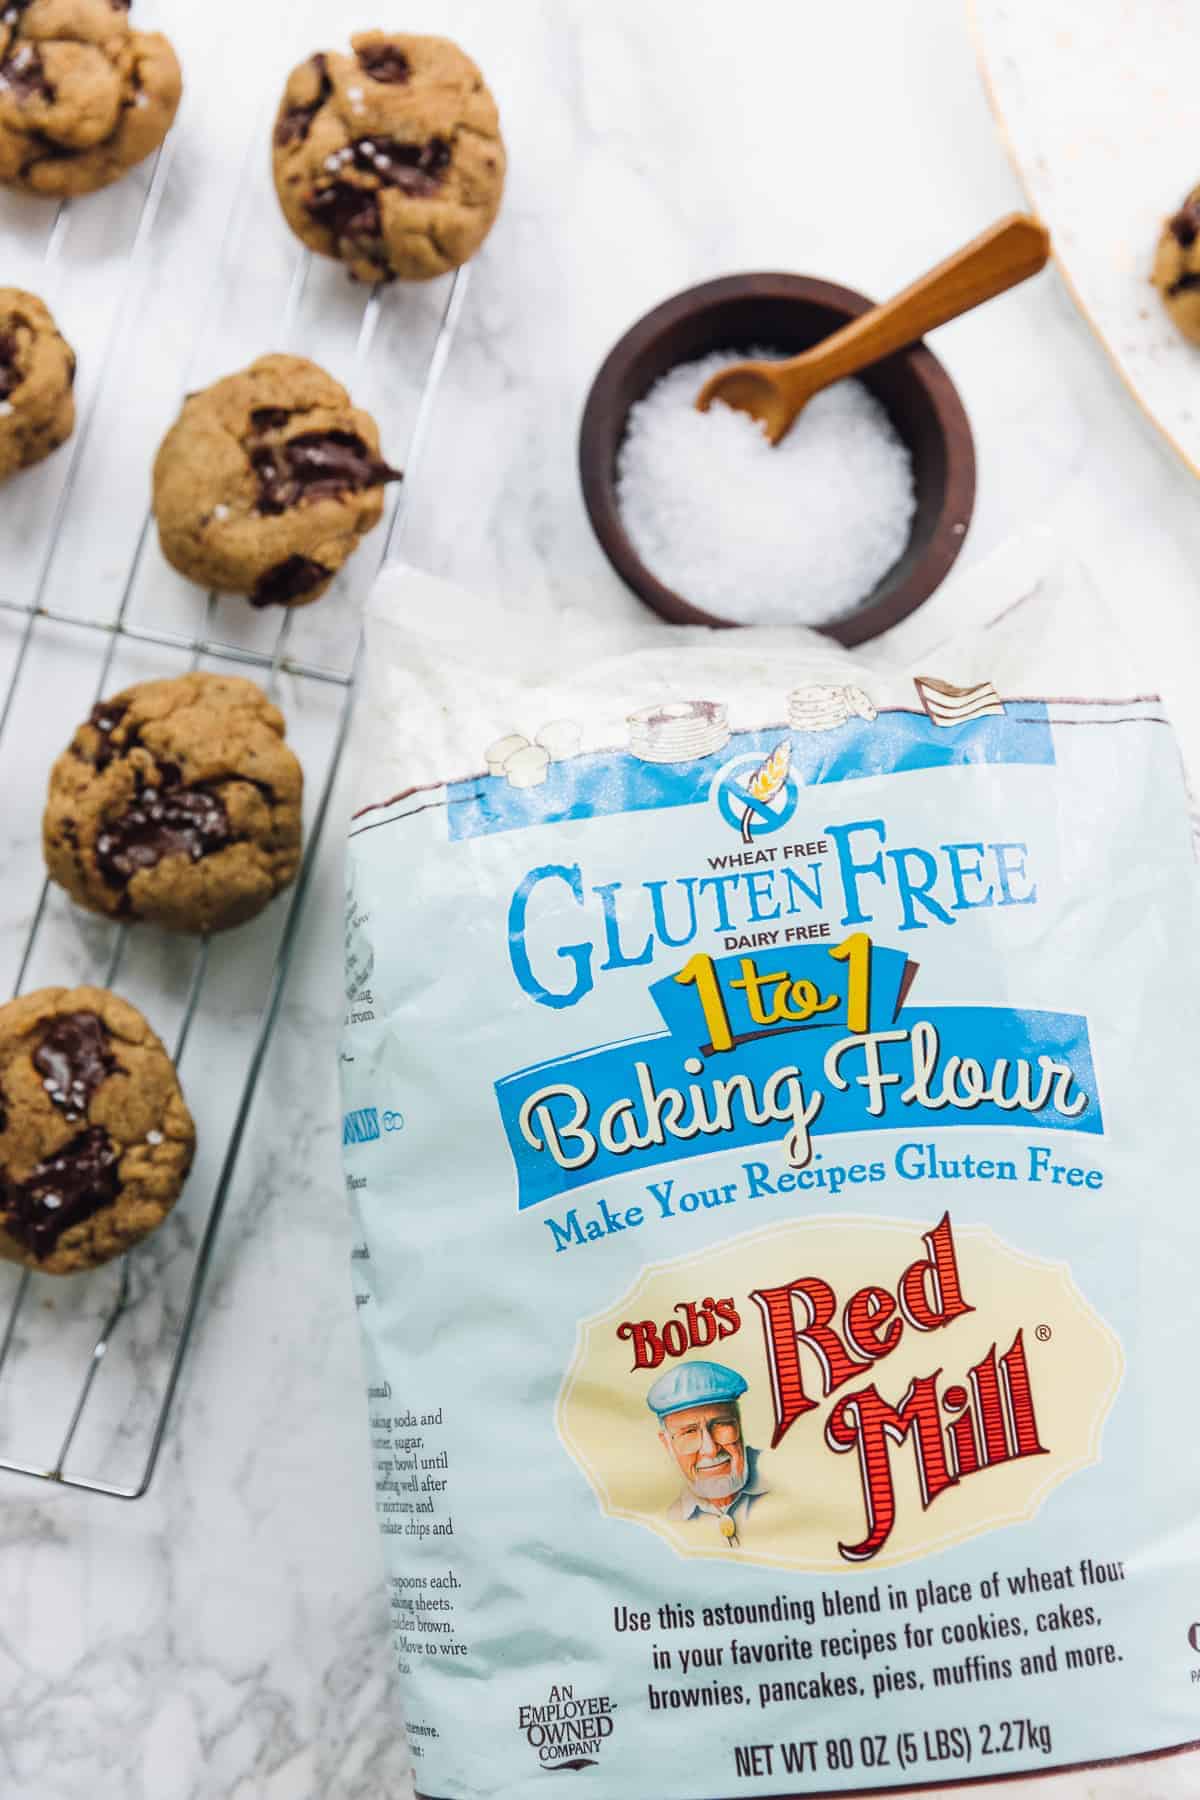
pixel 905 1389
pixel 776 1249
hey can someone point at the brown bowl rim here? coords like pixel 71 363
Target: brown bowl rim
pixel 599 487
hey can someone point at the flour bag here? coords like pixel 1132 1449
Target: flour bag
pixel 770 1136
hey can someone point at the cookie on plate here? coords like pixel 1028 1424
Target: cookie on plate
pixel 37 375
pixel 178 802
pixel 1177 267
pixel 267 482
pixel 390 158
pixel 95 1138
pixel 83 96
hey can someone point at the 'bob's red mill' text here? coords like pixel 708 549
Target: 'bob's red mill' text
pixel 985 1419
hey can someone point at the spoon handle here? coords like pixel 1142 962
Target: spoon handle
pixel 1009 252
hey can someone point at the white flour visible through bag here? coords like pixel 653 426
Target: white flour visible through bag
pixel 770 1137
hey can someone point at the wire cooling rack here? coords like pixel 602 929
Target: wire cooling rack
pixel 89 1367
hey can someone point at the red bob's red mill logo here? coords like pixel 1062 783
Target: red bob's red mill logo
pixel 991 1412
pixel 920 1379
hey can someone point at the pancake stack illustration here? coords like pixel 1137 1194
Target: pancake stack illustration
pixel 678 731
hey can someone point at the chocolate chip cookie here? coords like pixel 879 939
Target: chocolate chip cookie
pixel 179 802
pixel 267 481
pixel 37 374
pixel 95 1139
pixel 83 96
pixel 390 158
pixel 1177 267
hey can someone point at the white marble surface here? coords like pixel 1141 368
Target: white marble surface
pixel 224 1638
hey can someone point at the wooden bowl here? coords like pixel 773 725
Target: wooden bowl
pixel 788 313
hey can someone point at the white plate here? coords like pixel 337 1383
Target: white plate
pixel 1096 106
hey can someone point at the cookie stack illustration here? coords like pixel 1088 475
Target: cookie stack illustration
pixel 818 708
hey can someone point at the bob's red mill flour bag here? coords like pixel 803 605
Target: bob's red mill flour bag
pixel 770 1128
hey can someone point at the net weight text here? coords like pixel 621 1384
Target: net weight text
pixel 904 1749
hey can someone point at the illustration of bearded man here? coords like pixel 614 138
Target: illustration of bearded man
pixel 700 1428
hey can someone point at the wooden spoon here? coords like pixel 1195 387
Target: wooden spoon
pixel 774 392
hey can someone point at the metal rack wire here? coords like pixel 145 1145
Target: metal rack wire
pixel 107 636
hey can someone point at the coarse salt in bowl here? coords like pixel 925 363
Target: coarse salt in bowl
pixel 791 313
pixel 794 534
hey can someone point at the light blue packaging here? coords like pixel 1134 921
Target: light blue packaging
pixel 769 1131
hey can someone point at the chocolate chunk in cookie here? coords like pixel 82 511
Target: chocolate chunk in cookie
pixel 315 465
pixel 73 1058
pixel 390 158
pixel 178 802
pixel 23 73
pixel 168 820
pixel 351 217
pixel 10 373
pixel 296 578
pixel 37 375
pixel 295 121
pixel 106 715
pixel 95 1138
pixel 268 481
pixel 383 60
pixel 1184 225
pixel 62 1191
pixel 83 96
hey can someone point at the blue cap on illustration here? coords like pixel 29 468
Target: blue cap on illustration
pixel 694 1384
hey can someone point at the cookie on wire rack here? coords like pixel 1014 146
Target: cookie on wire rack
pixel 37 382
pixel 268 481
pixel 390 158
pixel 177 802
pixel 95 1138
pixel 84 97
